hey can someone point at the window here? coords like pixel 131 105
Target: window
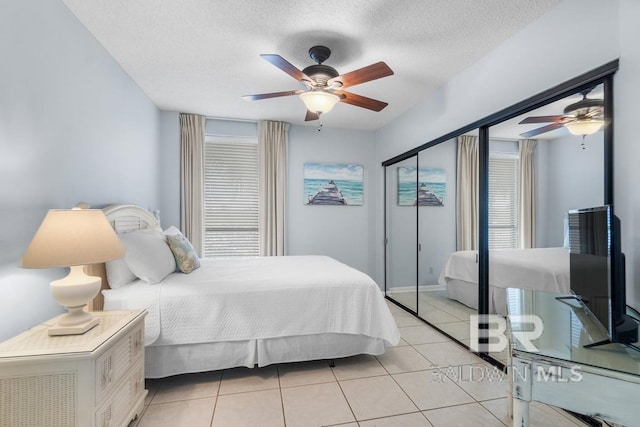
pixel 503 201
pixel 231 197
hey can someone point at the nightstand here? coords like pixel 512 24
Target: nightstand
pixel 94 379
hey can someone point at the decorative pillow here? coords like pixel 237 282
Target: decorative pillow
pixel 148 255
pixel 119 273
pixel 185 255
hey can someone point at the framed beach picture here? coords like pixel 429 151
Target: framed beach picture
pixel 333 184
pixel 428 188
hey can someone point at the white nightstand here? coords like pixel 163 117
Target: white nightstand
pixel 95 379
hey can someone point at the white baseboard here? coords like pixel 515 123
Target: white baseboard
pixel 412 289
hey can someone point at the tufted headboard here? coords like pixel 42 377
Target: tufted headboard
pixel 123 218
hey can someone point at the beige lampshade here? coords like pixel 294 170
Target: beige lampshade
pixel 70 237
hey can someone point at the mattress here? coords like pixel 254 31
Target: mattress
pixel 258 298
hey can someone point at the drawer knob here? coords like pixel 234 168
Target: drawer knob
pixel 106 376
pixel 106 418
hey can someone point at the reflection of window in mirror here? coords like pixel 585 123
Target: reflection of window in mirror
pixel 562 168
pixel 504 232
pixel 503 195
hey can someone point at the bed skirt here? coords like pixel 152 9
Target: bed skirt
pixel 163 361
pixel 467 293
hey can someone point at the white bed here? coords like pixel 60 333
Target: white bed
pixel 253 310
pixel 545 269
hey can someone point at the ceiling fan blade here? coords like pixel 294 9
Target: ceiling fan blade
pixel 311 116
pixel 285 66
pixel 360 101
pixel 543 129
pixel 271 95
pixel 362 75
pixel 542 119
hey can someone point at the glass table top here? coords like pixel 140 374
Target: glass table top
pixel 566 328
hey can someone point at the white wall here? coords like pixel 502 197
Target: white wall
pixel 345 233
pixel 627 148
pixel 221 127
pixel 169 170
pixel 543 183
pixel 577 181
pixel 437 225
pixel 73 127
pixel 526 65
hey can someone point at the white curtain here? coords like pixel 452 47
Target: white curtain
pixel 192 178
pixel 527 193
pixel 272 141
pixel 467 193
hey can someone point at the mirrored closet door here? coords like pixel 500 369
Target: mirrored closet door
pixel 436 203
pixel 423 216
pixel 469 216
pixel 541 167
pixel 401 217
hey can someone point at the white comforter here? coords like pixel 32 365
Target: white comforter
pixel 543 269
pixel 230 299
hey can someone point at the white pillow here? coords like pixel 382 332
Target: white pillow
pixel 148 255
pixel 119 273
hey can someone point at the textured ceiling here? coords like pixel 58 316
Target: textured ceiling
pixel 201 56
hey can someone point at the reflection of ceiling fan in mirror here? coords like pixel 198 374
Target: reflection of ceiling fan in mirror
pixel 581 118
pixel 324 84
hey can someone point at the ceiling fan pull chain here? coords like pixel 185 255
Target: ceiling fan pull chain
pixel 583 137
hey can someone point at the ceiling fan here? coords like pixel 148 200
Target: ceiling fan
pixel 581 118
pixel 324 86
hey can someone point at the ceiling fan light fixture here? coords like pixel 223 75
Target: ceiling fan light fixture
pixel 585 127
pixel 319 101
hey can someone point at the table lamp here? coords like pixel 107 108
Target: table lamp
pixel 73 238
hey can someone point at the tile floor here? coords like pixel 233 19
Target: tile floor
pixel 426 380
pixel 448 315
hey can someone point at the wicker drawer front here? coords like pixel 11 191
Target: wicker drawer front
pixel 113 412
pixel 112 365
pixel 39 400
pixel 137 343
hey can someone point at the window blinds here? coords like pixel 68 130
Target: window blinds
pixel 503 201
pixel 231 198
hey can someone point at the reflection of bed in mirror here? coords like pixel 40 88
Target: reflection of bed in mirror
pixel 542 269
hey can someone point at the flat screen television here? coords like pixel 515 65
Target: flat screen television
pixel 597 270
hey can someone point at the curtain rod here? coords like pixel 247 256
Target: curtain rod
pixel 503 139
pixel 231 120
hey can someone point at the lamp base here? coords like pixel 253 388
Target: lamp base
pixel 74 292
pixel 59 330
